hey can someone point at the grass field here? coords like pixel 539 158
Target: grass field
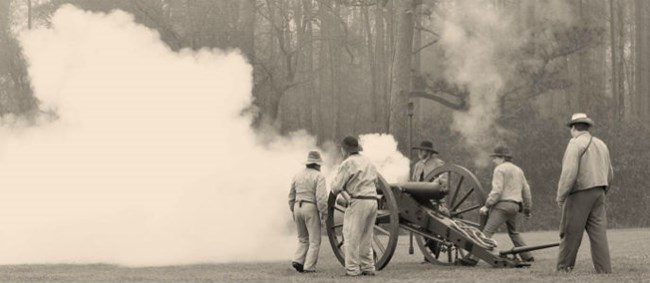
pixel 629 248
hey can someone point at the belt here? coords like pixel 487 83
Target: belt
pixel 509 200
pixel 365 197
pixel 599 187
pixel 307 201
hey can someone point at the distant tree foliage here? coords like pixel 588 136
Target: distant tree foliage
pixel 346 67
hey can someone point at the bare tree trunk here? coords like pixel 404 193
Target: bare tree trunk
pixel 380 66
pixel 594 64
pixel 247 28
pixel 326 75
pixel 401 74
pixel 374 104
pixel 616 38
pixel 314 98
pixel 642 62
pixel 29 14
pixel 418 118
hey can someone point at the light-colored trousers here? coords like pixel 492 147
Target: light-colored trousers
pixel 308 225
pixel 358 225
pixel 584 210
pixel 505 212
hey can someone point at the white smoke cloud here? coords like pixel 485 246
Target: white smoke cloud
pixel 151 161
pixel 382 151
pixel 477 40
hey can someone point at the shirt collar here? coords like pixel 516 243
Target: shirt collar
pixel 584 133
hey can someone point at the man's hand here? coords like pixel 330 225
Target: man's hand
pixel 484 210
pixel 343 199
pixel 443 209
pixel 527 213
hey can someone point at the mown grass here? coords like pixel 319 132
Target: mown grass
pixel 630 251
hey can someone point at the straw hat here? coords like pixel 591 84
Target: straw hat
pixel 314 158
pixel 501 151
pixel 580 118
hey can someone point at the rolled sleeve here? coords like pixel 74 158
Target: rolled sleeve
pixel 497 188
pixel 341 178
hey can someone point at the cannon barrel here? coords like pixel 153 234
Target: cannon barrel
pixel 517 250
pixel 423 191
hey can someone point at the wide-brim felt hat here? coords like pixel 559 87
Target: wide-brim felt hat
pixel 501 151
pixel 580 118
pixel 314 158
pixel 426 145
pixel 351 144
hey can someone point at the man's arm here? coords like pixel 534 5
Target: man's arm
pixel 292 194
pixel 321 196
pixel 569 171
pixel 497 188
pixel 526 196
pixel 417 169
pixel 441 179
pixel 341 178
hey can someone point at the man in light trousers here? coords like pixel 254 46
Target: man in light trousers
pixel 308 197
pixel 355 180
pixel 585 178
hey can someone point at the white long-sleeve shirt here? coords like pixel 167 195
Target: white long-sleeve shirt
pixel 357 176
pixel 509 183
pixel 309 185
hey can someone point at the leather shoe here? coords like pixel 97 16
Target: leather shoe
pixel 368 273
pixel 352 274
pixel 298 266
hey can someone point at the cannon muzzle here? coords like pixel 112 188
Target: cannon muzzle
pixel 423 191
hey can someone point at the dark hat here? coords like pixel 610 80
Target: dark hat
pixel 580 118
pixel 313 158
pixel 351 144
pixel 426 145
pixel 501 151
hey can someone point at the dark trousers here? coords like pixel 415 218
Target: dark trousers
pixel 506 212
pixel 584 210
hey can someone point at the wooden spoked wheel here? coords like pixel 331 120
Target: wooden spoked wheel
pixel 385 232
pixel 465 198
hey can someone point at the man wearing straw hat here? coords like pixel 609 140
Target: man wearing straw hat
pixel 308 197
pixel 510 195
pixel 355 180
pixel 585 178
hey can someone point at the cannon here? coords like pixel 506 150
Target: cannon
pixel 443 238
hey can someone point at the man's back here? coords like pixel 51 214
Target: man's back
pixel 357 175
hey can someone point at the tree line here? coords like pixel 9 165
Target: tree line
pixel 342 67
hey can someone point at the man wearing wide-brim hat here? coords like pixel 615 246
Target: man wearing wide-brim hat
pixel 428 161
pixel 308 203
pixel 586 175
pixel 509 196
pixel 356 178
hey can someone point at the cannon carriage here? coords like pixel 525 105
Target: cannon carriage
pixel 443 238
